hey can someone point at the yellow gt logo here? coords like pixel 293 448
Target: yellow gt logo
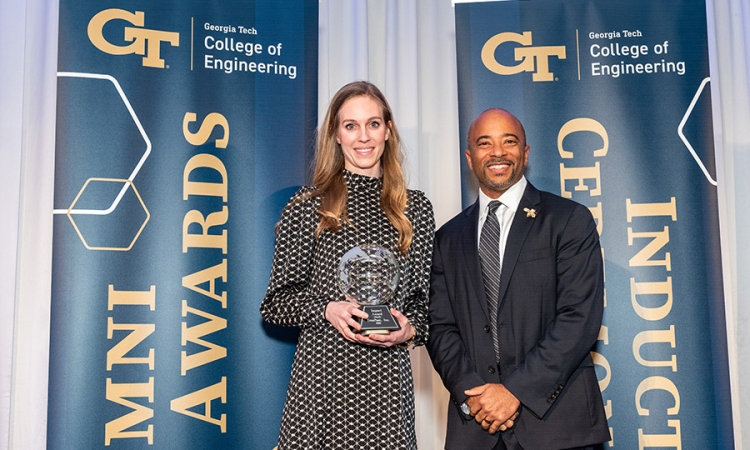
pixel 531 59
pixel 145 42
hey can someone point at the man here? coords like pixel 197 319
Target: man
pixel 512 319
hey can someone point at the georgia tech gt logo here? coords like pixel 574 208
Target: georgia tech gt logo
pixel 532 59
pixel 138 36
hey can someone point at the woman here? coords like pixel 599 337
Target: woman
pixel 349 390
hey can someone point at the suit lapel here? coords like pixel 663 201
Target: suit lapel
pixel 519 230
pixel 470 246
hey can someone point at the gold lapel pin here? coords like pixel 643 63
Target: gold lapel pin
pixel 530 212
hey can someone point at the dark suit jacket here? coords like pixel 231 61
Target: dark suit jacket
pixel 551 290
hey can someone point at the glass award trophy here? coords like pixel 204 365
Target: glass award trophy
pixel 369 275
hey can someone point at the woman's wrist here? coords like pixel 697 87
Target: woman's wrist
pixel 410 341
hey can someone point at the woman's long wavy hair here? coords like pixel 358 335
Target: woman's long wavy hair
pixel 328 177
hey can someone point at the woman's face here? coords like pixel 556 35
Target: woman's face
pixel 362 134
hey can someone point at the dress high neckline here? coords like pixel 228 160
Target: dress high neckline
pixel 355 181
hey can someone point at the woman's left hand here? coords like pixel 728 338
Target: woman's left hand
pixel 406 332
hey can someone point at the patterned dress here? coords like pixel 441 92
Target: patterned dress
pixel 344 395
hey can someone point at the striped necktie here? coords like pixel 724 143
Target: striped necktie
pixel 489 255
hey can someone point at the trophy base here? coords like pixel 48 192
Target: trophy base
pixel 369 332
pixel 379 321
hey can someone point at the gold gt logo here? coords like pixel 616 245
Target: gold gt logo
pixel 145 42
pixel 531 59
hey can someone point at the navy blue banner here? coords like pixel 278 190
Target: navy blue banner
pixel 616 104
pixel 182 130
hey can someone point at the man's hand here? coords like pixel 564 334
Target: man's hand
pixel 493 406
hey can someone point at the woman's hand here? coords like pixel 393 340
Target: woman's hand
pixel 342 315
pixel 406 333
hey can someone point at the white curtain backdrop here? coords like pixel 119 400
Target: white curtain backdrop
pixel 729 48
pixel 407 48
pixel 28 64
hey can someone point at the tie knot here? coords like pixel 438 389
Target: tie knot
pixel 494 204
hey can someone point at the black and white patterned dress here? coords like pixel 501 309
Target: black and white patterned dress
pixel 344 395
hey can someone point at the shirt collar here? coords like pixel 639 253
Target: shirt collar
pixel 510 198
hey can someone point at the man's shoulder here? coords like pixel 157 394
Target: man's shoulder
pixel 565 211
pixel 558 202
pixel 458 223
pixel 551 197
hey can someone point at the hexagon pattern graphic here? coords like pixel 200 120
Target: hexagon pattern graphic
pixel 86 205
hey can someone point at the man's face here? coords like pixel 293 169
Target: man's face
pixel 497 151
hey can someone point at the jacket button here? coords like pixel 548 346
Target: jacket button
pixel 486 328
pixel 491 369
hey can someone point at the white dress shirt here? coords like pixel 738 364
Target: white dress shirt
pixel 505 213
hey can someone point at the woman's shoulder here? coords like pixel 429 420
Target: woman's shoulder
pixel 303 193
pixel 304 199
pixel 418 197
pixel 418 203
